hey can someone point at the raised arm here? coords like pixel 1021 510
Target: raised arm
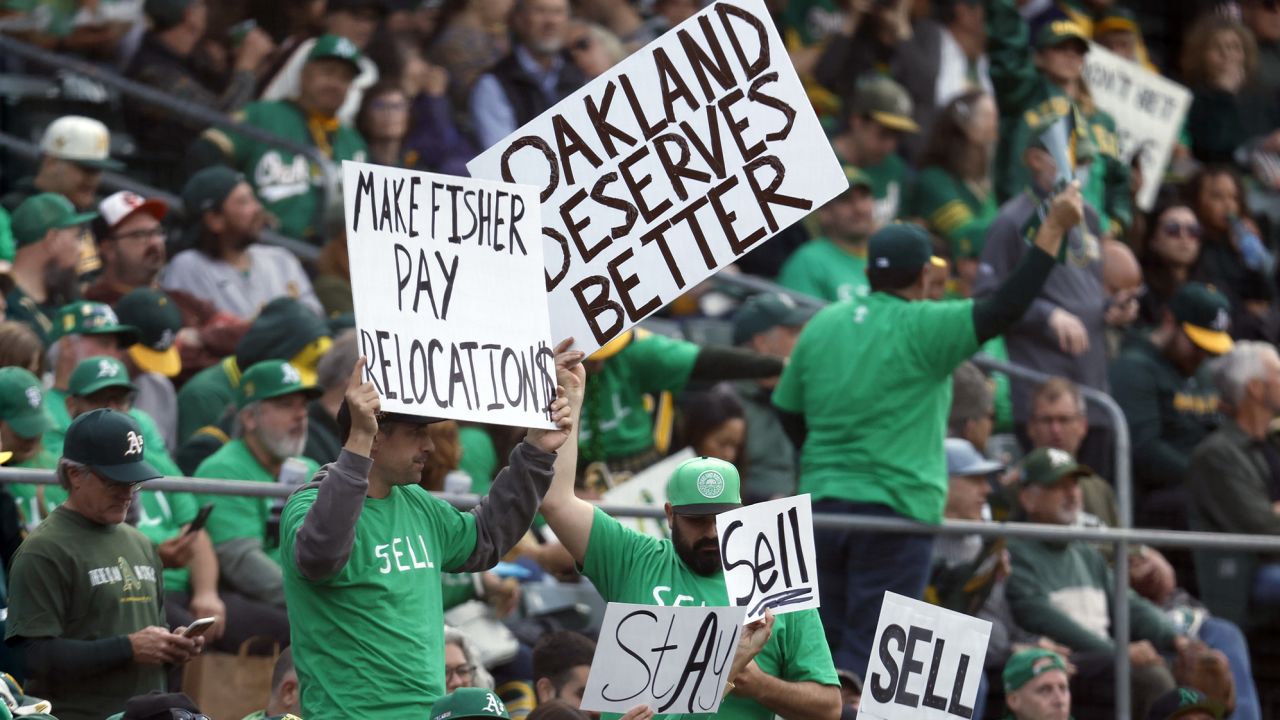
pixel 569 516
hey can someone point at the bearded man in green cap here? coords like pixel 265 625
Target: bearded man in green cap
pixel 46 230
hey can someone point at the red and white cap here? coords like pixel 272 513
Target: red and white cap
pixel 116 207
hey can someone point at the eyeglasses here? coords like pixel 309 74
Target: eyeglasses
pixel 462 672
pixel 582 44
pixel 157 232
pixel 389 105
pixel 180 714
pixel 1175 228
pixel 1055 419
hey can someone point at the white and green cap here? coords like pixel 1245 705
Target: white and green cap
pixel 704 486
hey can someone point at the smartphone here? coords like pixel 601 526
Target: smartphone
pixel 202 517
pixel 199 627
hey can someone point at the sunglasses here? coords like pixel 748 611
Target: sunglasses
pixel 582 44
pixel 1173 227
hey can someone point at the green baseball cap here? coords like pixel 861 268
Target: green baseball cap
pixel 22 403
pixel 469 702
pixel 1027 665
pixel 1116 18
pixel 111 444
pixel 766 311
pixel 98 373
pixel 884 101
pixel 91 318
pixel 41 213
pixel 1046 466
pixel 336 47
pixel 207 189
pixel 857 178
pixel 165 14
pixel 272 379
pixel 158 320
pixel 704 486
pixel 1060 32
pixel 901 246
pixel 1183 701
pixel 1205 316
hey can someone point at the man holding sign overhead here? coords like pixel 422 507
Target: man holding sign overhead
pixel 792 676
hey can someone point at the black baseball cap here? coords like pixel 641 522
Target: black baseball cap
pixel 901 246
pixel 111 444
pixel 343 420
pixel 1182 701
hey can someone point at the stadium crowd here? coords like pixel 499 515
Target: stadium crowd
pixel 160 327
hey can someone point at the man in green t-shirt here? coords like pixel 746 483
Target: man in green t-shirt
pixel 879 114
pixel 272 419
pixel 867 394
pixel 47 229
pixel 833 267
pixel 791 676
pixel 363 548
pixel 87 595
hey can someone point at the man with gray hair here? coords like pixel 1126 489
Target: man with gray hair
pixel 1232 478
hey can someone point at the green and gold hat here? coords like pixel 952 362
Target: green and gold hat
pixel 91 318
pixel 1204 315
pixel 704 486
pixel 272 379
pixel 1060 32
pixel 98 373
pixel 158 320
pixel 1046 466
pixel 885 101
pixel 22 403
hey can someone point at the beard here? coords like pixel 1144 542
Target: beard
pixel 702 556
pixel 60 283
pixel 282 444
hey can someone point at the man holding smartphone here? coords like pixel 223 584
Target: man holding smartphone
pixel 363 548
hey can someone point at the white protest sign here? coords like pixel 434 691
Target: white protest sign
pixel 676 660
pixel 926 662
pixel 768 556
pixel 647 488
pixel 1148 110
pixel 670 166
pixel 449 301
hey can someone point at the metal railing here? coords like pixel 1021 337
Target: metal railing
pixel 213 118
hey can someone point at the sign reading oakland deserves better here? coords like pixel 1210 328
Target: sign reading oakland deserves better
pixel 446 274
pixel 672 165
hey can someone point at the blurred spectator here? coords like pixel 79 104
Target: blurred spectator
pixel 1036 687
pixel 619 19
pixel 842 46
pixel 1170 258
pixel 284 330
pixel 84 330
pixel 1059 419
pixel 462 666
pixel 944 59
pixel 1168 400
pixel 1063 332
pixel 1117 30
pixel 468 703
pixel 953 193
pixel 768 324
pixel 833 267
pixel 332 284
pixel 1122 283
pixel 158 705
pixel 286 694
pixel 86 599
pixel 164 61
pixel 21 347
pixel 332 373
pixel 561 664
pixel 670 13
pixel 535 76
pixel 472 38
pixel 1034 88
pixel 1219 60
pixel 440 472
pixel 1262 17
pixel 594 49
pixel 355 21
pixel 132 243
pixel 287 182
pixel 557 710
pixel 1187 703
pixel 868 140
pixel 1063 590
pixel 714 424
pixel 154 359
pixel 383 122
pixel 272 431
pixel 1231 255
pixel 24 420
pixel 73 153
pixel 47 230
pixel 228 266
pixel 973 408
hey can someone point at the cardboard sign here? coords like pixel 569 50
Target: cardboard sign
pixel 647 488
pixel 446 278
pixel 1148 110
pixel 926 662
pixel 768 555
pixel 676 660
pixel 672 165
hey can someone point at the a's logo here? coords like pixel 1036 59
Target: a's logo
pixel 106 368
pixel 135 444
pixel 1042 665
pixel 1186 697
pixel 344 48
pixel 495 705
pixel 167 339
pixel 710 484
pixel 34 397
pixel 289 375
pixel 1058 458
pixel 1221 321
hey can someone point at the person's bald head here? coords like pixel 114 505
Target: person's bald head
pixel 1120 268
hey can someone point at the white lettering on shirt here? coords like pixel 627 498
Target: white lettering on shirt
pixel 680 599
pixel 392 556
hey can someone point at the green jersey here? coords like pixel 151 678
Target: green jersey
pixel 153 447
pixel 615 422
pixel 288 184
pixel 479 457
pixel 888 180
pixel 35 502
pixel 823 269
pixel 873 380
pixel 78 580
pixel 629 567
pixel 161 516
pixel 365 637
pixel 233 516
pixel 206 396
pixel 953 210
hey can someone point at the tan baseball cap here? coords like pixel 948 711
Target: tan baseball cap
pixel 81 140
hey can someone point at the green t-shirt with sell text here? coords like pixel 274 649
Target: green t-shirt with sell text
pixel 236 517
pixel 372 636
pixel 161 516
pixel 629 567
pixel 872 378
pixel 825 270
pixel 78 580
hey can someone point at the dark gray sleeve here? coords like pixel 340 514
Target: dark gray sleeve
pixel 75 659
pixel 323 543
pixel 505 514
